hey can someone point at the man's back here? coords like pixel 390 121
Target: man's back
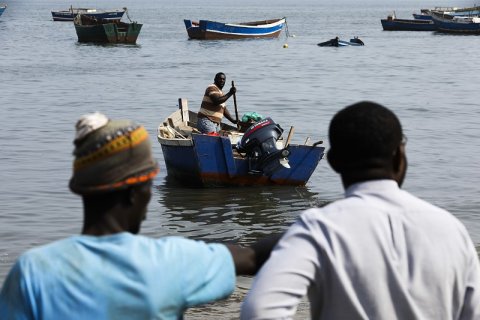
pixel 120 276
pixel 381 253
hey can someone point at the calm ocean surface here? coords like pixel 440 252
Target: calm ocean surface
pixel 48 80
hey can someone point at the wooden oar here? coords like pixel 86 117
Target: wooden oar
pixel 289 137
pixel 235 104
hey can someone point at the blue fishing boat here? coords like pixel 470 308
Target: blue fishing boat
pixel 456 24
pixel 258 155
pixel 212 30
pixel 394 24
pixel 68 15
pixel 2 8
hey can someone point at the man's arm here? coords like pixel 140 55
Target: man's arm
pixel 284 279
pixel 227 115
pixel 248 260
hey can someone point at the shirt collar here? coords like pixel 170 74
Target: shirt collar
pixel 372 186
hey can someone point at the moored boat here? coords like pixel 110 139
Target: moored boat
pixel 258 155
pixel 68 15
pixel 394 24
pixel 456 24
pixel 426 14
pixel 105 31
pixel 212 30
pixel 2 8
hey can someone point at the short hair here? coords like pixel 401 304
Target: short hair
pixel 364 135
pixel 220 74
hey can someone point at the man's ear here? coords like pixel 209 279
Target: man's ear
pixel 332 160
pixel 131 196
pixel 399 164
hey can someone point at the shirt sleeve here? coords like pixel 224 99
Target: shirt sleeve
pixel 471 305
pixel 285 278
pixel 208 272
pixel 14 301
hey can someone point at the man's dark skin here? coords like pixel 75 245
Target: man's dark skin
pixel 394 169
pixel 220 80
pixel 124 211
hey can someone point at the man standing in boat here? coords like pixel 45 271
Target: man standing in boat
pixel 213 106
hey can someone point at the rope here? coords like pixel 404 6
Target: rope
pixel 126 12
pixel 287 33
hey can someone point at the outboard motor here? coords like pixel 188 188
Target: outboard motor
pixel 259 142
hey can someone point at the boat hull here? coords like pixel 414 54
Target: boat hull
pixel 209 161
pixel 68 15
pixel 453 26
pixel 2 9
pixel 109 33
pixel 211 30
pixel 408 25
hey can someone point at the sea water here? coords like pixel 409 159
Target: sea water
pixel 48 80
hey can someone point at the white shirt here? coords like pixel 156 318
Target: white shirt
pixel 380 253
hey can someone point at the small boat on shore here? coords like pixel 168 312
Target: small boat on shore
pixel 68 15
pixel 256 155
pixel 2 8
pixel 105 31
pixel 394 24
pixel 336 42
pixel 456 24
pixel 212 30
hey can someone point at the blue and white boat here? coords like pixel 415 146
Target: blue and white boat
pixel 456 24
pixel 212 30
pixel 68 15
pixel 256 156
pixel 2 8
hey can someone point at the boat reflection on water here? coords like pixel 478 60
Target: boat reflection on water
pixel 229 214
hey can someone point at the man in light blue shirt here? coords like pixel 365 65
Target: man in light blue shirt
pixel 109 272
pixel 380 253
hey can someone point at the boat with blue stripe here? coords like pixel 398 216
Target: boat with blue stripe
pixel 213 30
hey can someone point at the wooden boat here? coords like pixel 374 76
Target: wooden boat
pixel 212 30
pixel 335 42
pixel 2 8
pixel 425 14
pixel 105 31
pixel 394 24
pixel 456 24
pixel 256 156
pixel 68 15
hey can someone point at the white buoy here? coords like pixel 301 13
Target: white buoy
pixel 285 45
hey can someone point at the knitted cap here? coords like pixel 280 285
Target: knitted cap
pixel 110 155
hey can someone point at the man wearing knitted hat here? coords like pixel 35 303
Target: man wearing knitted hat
pixel 109 272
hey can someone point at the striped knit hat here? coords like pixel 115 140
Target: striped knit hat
pixel 110 155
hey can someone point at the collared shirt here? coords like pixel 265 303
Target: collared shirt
pixel 380 253
pixel 209 109
pixel 121 276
